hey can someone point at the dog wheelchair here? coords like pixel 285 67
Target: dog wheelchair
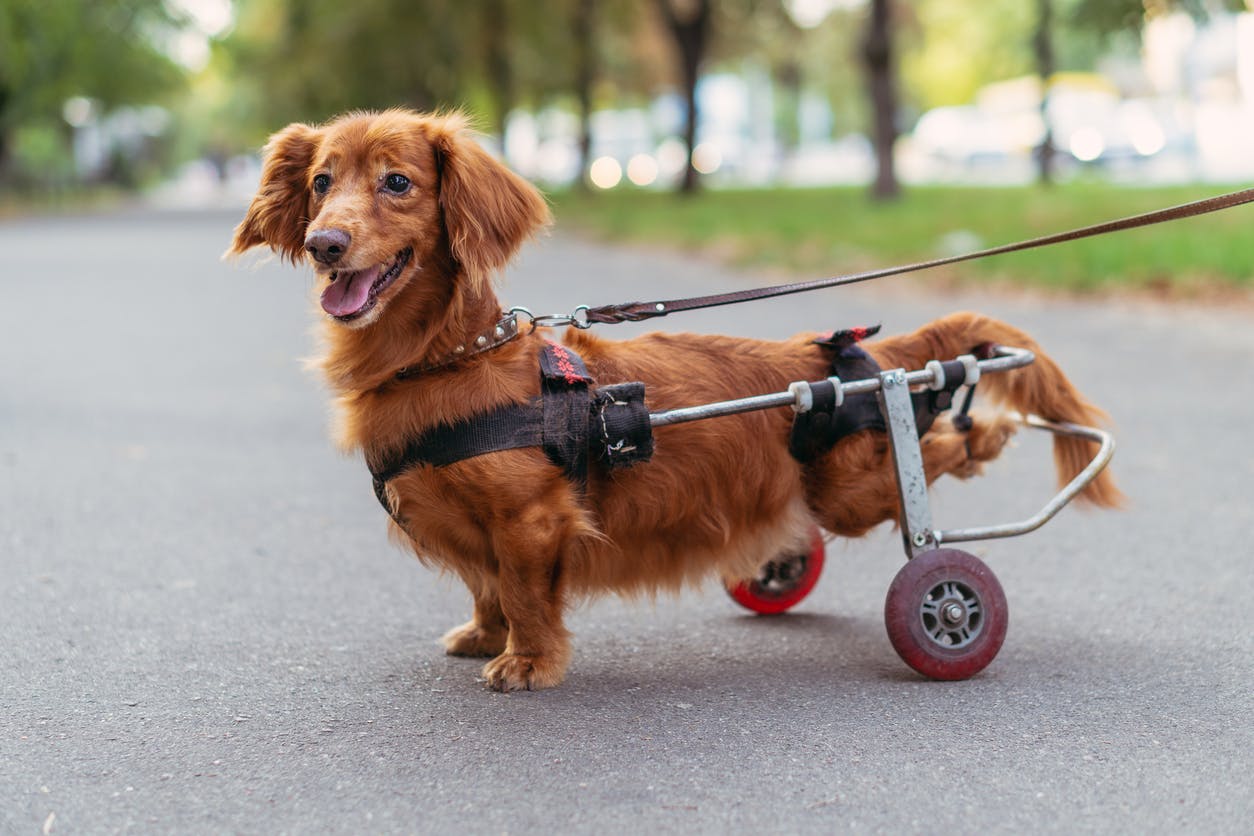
pixel 945 611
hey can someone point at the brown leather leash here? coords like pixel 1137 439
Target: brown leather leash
pixel 584 316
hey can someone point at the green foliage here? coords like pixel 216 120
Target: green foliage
pixel 829 231
pixel 960 49
pixel 102 49
pixel 306 60
pixel 310 59
pixel 51 50
pixel 958 46
pixel 1111 16
pixel 40 147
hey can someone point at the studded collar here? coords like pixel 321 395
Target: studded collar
pixel 505 330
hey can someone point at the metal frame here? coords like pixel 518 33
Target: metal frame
pixel 1056 504
pixel 892 390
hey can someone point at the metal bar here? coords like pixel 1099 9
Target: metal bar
pixel 1007 358
pixel 719 408
pixel 911 479
pixel 903 438
pixel 1104 453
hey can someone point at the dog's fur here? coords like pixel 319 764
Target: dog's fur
pixel 719 496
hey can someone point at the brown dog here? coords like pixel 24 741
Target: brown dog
pixel 405 219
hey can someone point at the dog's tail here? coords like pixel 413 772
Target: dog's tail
pixel 1040 389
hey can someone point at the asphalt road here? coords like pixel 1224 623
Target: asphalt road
pixel 206 630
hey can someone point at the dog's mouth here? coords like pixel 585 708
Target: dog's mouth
pixel 353 292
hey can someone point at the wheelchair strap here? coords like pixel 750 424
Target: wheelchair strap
pixel 817 431
pixel 569 421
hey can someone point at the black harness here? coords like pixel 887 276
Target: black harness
pixel 570 421
pixel 816 432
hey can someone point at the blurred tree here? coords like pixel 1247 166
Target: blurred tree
pixel 877 56
pixel 496 17
pixel 689 22
pixel 583 31
pixel 103 50
pixel 1043 46
pixel 311 59
pixel 830 65
pixel 1110 16
pixel 728 31
pixel 763 37
pixel 966 45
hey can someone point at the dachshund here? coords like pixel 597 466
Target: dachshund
pixel 405 219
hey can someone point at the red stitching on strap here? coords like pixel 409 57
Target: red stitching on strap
pixel 564 365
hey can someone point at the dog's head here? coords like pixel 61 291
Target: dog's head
pixel 374 200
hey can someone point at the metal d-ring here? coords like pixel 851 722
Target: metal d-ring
pixel 578 318
pixel 527 314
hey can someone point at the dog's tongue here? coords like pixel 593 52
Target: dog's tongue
pixel 349 292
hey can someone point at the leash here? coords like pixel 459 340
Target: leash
pixel 585 316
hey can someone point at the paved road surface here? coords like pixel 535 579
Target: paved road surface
pixel 205 629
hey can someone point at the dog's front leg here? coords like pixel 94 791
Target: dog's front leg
pixel 485 633
pixel 530 585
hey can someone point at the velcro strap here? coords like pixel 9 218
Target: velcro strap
pixel 621 426
pixel 817 431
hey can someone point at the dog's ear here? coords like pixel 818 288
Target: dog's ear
pixel 489 211
pixel 279 212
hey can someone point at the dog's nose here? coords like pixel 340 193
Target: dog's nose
pixel 327 245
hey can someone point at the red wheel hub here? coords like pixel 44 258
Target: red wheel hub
pixel 783 582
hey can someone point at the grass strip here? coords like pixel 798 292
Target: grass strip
pixel 820 232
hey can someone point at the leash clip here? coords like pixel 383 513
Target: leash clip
pixel 577 318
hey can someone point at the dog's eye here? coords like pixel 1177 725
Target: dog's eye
pixel 321 183
pixel 396 183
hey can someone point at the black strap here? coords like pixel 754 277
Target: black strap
pixel 635 311
pixel 504 428
pixel 566 406
pixel 817 430
pixel 557 421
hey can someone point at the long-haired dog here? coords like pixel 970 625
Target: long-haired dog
pixel 405 219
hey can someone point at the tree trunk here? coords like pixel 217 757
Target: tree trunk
pixel 877 56
pixel 499 66
pixel 691 33
pixel 1043 43
pixel 5 140
pixel 788 107
pixel 585 73
pixel 4 158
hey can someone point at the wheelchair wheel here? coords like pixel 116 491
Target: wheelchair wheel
pixel 783 582
pixel 946 614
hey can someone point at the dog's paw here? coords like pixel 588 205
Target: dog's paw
pixel 470 639
pixel 986 439
pixel 988 436
pixel 516 672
